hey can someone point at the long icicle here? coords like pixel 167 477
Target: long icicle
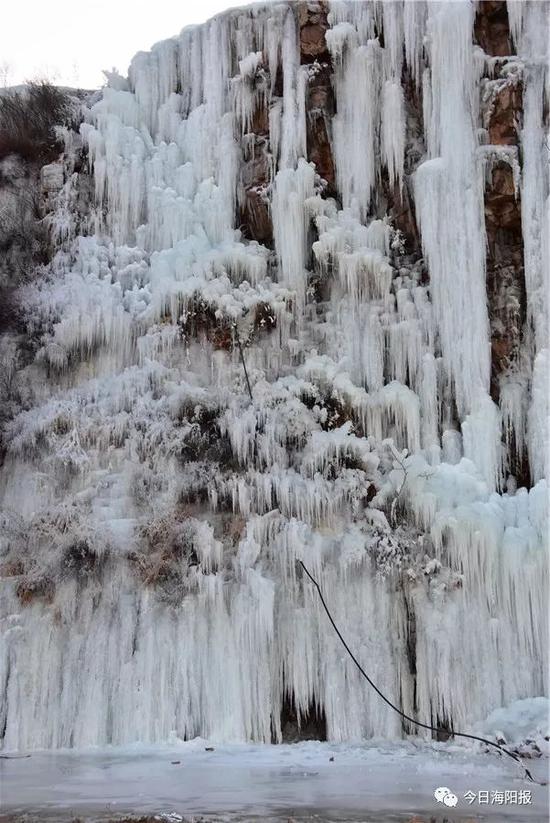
pixel 393 706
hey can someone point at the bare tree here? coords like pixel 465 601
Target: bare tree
pixel 5 72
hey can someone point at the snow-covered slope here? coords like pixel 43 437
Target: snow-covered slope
pixel 354 195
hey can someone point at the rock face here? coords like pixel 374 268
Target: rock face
pixel 292 311
pixel 505 272
pixel 506 288
pixel 313 25
pixel 505 114
pixel 319 113
pixel 255 215
pixel 492 29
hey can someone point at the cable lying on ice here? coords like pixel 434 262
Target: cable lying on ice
pixel 14 756
pixel 395 708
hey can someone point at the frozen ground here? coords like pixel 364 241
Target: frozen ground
pixel 371 783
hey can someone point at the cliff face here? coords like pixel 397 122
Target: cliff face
pixel 296 310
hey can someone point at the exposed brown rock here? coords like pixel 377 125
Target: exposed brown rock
pixel 415 148
pixel 320 110
pixel 260 121
pixel 320 152
pixel 255 168
pixel 506 293
pixel 234 527
pixel 313 24
pixel 200 321
pixel 221 337
pixel 255 216
pixel 506 107
pixel 320 95
pixel 502 208
pixel 492 28
pixel 254 213
pixel 401 210
pixel 398 201
pixel 506 296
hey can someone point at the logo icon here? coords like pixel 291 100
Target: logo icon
pixel 445 795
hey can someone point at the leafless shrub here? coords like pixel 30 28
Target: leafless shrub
pixel 28 120
pixel 166 557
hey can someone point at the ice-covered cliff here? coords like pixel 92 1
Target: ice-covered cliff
pixel 355 194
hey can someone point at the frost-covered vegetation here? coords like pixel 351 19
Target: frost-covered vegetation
pixel 154 511
pixel 28 120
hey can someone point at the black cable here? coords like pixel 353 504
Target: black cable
pixel 13 756
pixel 395 708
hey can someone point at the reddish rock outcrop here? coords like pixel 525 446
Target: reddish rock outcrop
pixel 399 201
pixel 255 217
pixel 313 24
pixel 254 213
pixel 505 276
pixel 402 213
pixel 260 121
pixel 492 28
pixel 502 206
pixel 504 114
pixel 320 111
pixel 506 296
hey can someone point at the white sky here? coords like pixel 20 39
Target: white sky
pixel 71 41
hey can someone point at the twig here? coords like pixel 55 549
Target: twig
pixel 401 487
pixel 242 360
pixel 395 708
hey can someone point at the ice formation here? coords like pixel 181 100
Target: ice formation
pixel 254 184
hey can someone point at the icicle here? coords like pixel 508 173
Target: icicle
pixel 481 439
pixel 392 16
pixel 450 209
pixel 428 402
pixel 414 16
pixel 393 131
pixel 293 117
pixel 513 403
pixel 534 192
pixel 355 125
pixel 515 9
pixel 290 222
pixel 162 509
pixel 539 419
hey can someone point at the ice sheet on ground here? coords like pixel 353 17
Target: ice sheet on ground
pixel 364 782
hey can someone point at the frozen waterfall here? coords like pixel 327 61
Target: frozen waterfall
pixel 317 180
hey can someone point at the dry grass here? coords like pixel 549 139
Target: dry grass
pixel 30 590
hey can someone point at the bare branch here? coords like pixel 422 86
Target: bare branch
pixel 238 339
